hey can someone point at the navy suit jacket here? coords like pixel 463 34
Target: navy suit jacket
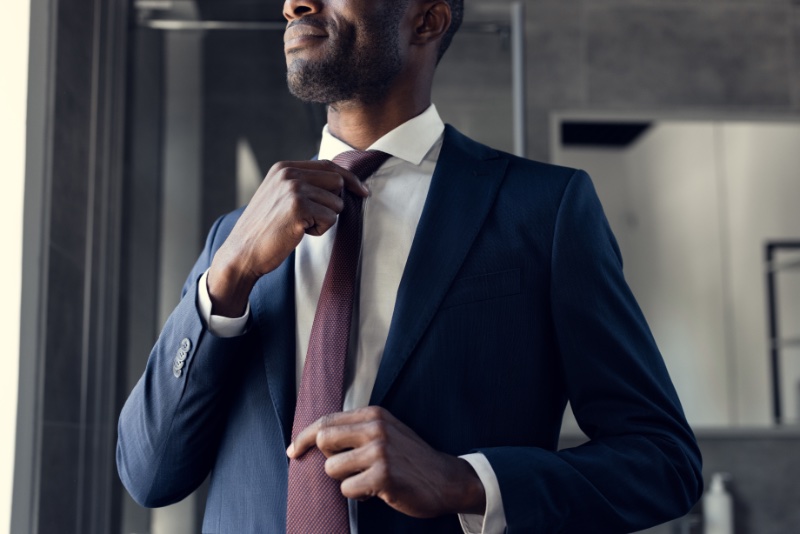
pixel 512 302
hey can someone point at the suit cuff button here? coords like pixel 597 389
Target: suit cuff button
pixel 180 358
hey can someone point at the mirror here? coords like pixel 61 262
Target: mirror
pixel 694 205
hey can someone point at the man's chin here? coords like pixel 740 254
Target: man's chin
pixel 310 85
pixel 311 94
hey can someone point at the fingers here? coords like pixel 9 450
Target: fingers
pixel 317 209
pixel 345 430
pixel 334 439
pixel 317 219
pixel 323 174
pixel 373 454
pixel 326 199
pixel 351 182
pixel 357 460
pixel 366 484
pixel 315 188
pixel 295 199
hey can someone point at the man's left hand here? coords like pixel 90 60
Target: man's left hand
pixel 375 455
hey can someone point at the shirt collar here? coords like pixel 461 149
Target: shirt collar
pixel 411 141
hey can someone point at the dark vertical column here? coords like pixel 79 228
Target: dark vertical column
pixel 66 272
pixel 139 323
pixel 68 366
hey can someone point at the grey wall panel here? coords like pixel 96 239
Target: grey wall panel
pixel 688 55
pixel 795 48
pixel 556 66
pixel 473 88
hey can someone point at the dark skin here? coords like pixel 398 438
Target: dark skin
pixel 369 450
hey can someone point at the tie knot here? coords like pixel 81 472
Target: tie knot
pixel 362 163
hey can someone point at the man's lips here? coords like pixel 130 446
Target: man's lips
pixel 296 34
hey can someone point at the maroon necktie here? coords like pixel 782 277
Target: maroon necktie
pixel 315 502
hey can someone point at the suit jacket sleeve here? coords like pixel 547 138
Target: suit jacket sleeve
pixel 641 465
pixel 170 426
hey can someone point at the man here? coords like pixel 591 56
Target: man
pixel 480 292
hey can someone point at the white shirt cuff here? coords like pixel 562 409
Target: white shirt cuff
pixel 493 521
pixel 217 324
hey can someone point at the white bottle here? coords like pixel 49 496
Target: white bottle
pixel 718 507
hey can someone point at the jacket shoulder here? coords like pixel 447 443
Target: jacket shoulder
pixel 517 165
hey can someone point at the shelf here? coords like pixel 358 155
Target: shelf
pixel 789 343
pixel 790 261
pixel 783 266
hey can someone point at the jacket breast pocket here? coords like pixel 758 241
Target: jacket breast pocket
pixel 483 287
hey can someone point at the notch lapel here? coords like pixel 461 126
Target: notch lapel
pixel 273 307
pixel 463 189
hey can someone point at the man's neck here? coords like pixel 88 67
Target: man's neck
pixel 359 124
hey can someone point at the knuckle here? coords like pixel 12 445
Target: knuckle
pixel 374 412
pixel 325 422
pixel 322 226
pixel 296 204
pixel 324 436
pixel 330 466
pixel 348 491
pixel 380 452
pixel 277 167
pixel 378 428
pixel 295 186
pixel 382 472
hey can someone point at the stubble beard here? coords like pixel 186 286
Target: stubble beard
pixel 350 71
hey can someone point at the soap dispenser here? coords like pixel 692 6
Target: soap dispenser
pixel 718 507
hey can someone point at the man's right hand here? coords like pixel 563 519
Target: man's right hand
pixel 295 198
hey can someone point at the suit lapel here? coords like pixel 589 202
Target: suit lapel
pixel 463 189
pixel 273 307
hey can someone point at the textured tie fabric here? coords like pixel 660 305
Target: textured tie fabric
pixel 315 502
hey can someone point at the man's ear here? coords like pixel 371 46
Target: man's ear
pixel 431 21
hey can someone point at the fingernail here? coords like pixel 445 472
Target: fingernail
pixel 366 189
pixel 290 450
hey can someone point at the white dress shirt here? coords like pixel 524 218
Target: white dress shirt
pixel 398 190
